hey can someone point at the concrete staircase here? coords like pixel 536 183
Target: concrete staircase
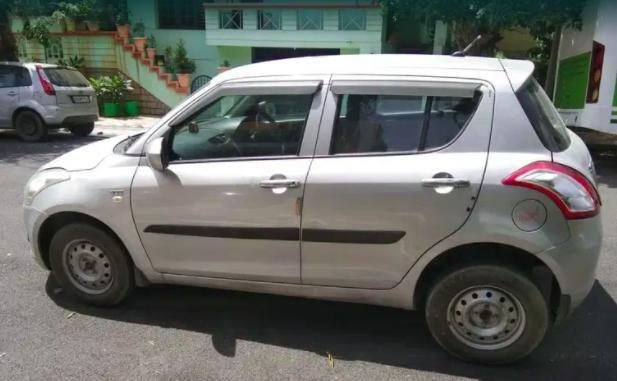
pixel 143 70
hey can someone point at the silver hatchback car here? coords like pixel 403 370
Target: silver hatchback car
pixel 36 97
pixel 444 184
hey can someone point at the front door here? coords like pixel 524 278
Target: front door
pixel 11 78
pixel 398 166
pixel 229 203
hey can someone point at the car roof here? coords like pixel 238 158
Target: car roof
pixel 29 64
pixel 382 64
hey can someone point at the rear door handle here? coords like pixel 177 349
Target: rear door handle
pixel 445 182
pixel 279 183
pixel 11 93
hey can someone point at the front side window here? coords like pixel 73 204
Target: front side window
pixel 240 126
pixel 398 123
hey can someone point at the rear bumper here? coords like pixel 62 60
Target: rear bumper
pixel 66 115
pixel 574 262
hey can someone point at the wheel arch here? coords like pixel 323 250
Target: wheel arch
pixel 21 109
pixel 491 253
pixel 56 221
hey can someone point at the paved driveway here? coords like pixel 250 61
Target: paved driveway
pixel 178 333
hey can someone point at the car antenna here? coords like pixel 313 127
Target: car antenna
pixel 463 53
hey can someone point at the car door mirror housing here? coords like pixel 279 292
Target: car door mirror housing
pixel 157 155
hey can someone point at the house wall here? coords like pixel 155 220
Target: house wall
pixel 210 47
pixel 206 57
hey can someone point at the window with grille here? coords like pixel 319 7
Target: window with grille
pixel 310 19
pixel 184 14
pixel 230 19
pixel 351 19
pixel 269 19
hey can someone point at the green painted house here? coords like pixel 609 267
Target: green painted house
pixel 243 32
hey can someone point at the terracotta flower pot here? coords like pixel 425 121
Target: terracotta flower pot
pixel 70 24
pixel 184 79
pixel 151 53
pixel 140 43
pixel 221 69
pixel 123 30
pixel 93 26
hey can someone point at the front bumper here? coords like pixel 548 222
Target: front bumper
pixel 33 220
pixel 574 262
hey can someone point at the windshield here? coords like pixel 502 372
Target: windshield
pixel 543 116
pixel 66 77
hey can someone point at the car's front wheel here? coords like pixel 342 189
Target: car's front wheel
pixel 487 313
pixel 82 129
pixel 91 264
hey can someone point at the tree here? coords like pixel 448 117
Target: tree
pixel 470 18
pixel 8 47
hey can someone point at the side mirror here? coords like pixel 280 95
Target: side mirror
pixel 156 155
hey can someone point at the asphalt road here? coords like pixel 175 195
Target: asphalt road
pixel 179 333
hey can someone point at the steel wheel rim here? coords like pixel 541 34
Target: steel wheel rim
pixel 486 317
pixel 88 267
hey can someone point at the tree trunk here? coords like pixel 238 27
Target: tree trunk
pixel 8 47
pixel 551 73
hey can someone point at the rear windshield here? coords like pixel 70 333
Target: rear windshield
pixel 543 116
pixel 66 77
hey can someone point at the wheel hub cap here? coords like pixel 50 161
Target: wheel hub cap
pixel 486 318
pixel 87 266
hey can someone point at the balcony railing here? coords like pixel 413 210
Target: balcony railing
pixel 302 17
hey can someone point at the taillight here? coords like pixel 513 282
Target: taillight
pixel 595 73
pixel 570 190
pixel 48 88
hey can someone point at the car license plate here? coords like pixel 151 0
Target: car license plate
pixel 81 99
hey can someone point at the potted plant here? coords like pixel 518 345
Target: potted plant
pixel 183 64
pixel 73 61
pixel 91 11
pixel 122 20
pixel 112 91
pixel 71 13
pixel 168 60
pixel 224 67
pixel 151 48
pixel 59 18
pixel 139 36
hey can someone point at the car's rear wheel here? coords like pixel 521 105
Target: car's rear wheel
pixel 30 127
pixel 90 264
pixel 82 129
pixel 487 313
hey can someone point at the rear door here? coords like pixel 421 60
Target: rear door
pixel 11 79
pixel 72 89
pixel 398 165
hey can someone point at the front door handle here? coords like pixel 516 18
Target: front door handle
pixel 11 93
pixel 445 182
pixel 279 183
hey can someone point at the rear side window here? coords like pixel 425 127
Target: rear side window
pixel 543 116
pixel 14 76
pixel 399 123
pixel 66 77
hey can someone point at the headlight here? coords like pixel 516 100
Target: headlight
pixel 42 180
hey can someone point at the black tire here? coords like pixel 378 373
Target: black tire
pixel 449 288
pixel 30 127
pixel 82 129
pixel 120 266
